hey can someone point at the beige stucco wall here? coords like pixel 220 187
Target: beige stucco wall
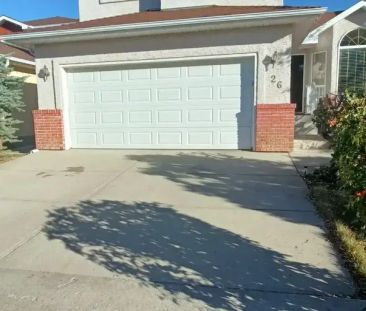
pixel 26 130
pixel 218 43
pixel 93 9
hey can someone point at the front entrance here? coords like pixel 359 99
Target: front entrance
pixel 297 81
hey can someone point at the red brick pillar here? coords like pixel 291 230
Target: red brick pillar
pixel 275 127
pixel 49 129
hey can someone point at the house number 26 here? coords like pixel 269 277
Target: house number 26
pixel 274 80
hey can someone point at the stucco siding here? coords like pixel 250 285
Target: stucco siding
pixel 168 4
pixel 218 43
pixel 94 9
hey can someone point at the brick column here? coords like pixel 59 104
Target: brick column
pixel 49 129
pixel 275 127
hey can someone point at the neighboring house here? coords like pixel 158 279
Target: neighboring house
pixel 22 62
pixel 190 74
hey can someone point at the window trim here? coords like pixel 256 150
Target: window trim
pixel 326 65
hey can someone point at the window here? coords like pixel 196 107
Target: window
pixel 319 71
pixel 352 62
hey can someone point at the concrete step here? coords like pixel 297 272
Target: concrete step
pixel 304 125
pixel 310 142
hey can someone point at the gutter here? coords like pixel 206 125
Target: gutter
pixel 54 35
pixel 20 60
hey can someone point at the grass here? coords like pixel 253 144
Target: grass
pixel 8 155
pixel 351 244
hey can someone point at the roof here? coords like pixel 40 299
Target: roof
pixel 22 55
pixel 176 14
pixel 14 52
pixel 57 20
pixel 313 36
pixel 322 19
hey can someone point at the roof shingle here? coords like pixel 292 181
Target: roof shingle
pixel 12 51
pixel 57 20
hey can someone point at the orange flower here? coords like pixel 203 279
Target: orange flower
pixel 332 123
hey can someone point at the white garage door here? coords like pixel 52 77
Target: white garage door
pixel 196 105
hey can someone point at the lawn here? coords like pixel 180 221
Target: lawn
pixel 8 155
pixel 351 244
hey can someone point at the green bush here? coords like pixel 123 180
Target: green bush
pixel 326 114
pixel 350 156
pixel 343 120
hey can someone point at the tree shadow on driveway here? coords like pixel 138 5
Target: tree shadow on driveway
pixel 272 187
pixel 181 255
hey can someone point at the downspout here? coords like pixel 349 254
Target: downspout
pixel 54 84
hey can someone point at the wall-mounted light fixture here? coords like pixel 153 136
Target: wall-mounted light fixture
pixel 44 73
pixel 270 60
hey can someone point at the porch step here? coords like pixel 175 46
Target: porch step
pixel 304 125
pixel 310 142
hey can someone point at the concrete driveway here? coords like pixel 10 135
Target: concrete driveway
pixel 138 230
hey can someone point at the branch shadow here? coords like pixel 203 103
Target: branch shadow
pixel 180 255
pixel 269 186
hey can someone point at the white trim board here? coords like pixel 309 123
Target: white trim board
pixel 13 21
pixel 21 61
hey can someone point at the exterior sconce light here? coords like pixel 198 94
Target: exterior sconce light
pixel 270 60
pixel 44 73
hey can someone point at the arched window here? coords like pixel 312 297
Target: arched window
pixel 352 62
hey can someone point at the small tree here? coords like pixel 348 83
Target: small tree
pixel 11 100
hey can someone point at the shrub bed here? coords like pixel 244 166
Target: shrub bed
pixel 339 191
pixel 343 121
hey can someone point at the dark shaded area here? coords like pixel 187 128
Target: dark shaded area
pixel 69 172
pixel 182 255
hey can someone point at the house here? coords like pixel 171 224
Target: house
pixel 184 74
pixel 22 62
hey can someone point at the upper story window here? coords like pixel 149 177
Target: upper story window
pixel 352 62
pixel 354 38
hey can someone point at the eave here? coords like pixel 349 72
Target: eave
pixel 158 27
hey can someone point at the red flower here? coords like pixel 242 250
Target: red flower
pixel 361 194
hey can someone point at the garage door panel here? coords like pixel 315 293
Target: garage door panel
pixel 111 76
pixel 84 97
pixel 112 139
pixel 170 138
pixel 111 97
pixel 138 117
pixel 112 118
pixel 169 94
pixel 172 117
pixel 194 106
pixel 200 116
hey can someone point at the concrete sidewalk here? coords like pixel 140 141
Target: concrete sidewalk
pixel 107 230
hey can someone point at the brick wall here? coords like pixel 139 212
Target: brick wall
pixel 49 129
pixel 275 127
